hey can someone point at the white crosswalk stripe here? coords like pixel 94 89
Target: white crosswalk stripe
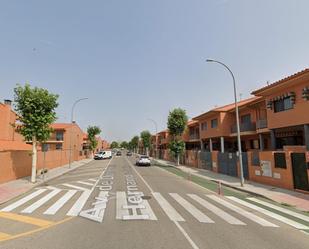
pixel 217 211
pixel 85 183
pixel 92 180
pixel 167 208
pixel 60 203
pixel 23 200
pixel 75 187
pixel 283 210
pixel 79 204
pixel 128 208
pixel 40 202
pixel 196 213
pixel 242 212
pixel 270 214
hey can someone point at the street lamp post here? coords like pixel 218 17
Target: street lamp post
pixel 156 125
pixel 72 120
pixel 237 121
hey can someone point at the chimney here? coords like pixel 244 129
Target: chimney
pixel 8 102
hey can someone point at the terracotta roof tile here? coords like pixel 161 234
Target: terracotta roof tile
pixel 56 126
pixel 276 83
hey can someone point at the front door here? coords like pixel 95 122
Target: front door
pixel 300 174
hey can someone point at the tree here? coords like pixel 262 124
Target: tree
pixel 134 143
pixel 114 145
pixel 176 123
pixel 36 110
pixel 124 144
pixel 146 140
pixel 93 131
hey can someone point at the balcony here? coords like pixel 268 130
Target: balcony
pixel 244 127
pixel 261 124
pixel 194 136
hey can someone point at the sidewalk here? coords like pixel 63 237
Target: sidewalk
pixel 12 189
pixel 296 199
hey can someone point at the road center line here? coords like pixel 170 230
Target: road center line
pixel 180 228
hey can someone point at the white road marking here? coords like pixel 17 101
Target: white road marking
pixel 142 178
pixel 23 200
pixel 196 213
pixel 194 246
pixel 40 202
pixel 121 200
pixel 217 211
pixel 191 242
pixel 97 212
pixel 79 204
pixel 167 208
pixel 270 214
pixel 75 187
pixel 242 212
pixel 92 180
pixel 283 210
pixel 85 183
pixel 60 203
pixel 148 210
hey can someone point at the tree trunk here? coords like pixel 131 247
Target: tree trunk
pixel 147 151
pixel 34 160
pixel 177 160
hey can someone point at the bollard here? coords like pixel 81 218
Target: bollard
pixel 219 188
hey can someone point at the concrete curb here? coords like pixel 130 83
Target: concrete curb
pixel 214 180
pixel 69 170
pixel 38 184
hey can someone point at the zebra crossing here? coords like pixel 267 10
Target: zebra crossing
pixel 198 206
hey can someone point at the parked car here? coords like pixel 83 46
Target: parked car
pixel 98 156
pixel 143 161
pixel 129 153
pixel 118 153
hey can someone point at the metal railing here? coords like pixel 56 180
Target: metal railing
pixel 261 124
pixel 250 126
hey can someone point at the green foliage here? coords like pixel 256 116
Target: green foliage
pixel 146 138
pixel 36 108
pixel 176 147
pixel 134 142
pixel 177 121
pixel 93 131
pixel 124 144
pixel 114 145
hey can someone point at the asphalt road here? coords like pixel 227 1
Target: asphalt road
pixel 114 204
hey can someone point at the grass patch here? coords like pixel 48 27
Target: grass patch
pixel 210 185
pixel 286 204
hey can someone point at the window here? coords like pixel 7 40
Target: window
pixel 59 136
pixel 245 119
pixel 214 123
pixel 283 104
pixel 254 144
pixel 280 161
pixel 58 146
pixel 204 126
pixel 45 147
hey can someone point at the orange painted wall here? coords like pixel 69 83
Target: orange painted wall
pixel 7 118
pixel 223 128
pixel 297 116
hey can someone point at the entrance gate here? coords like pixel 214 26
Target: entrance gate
pixel 300 175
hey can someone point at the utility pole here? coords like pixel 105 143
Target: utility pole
pixel 237 121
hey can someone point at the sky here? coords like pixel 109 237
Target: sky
pixel 139 59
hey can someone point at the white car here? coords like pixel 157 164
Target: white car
pixel 103 155
pixel 143 161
